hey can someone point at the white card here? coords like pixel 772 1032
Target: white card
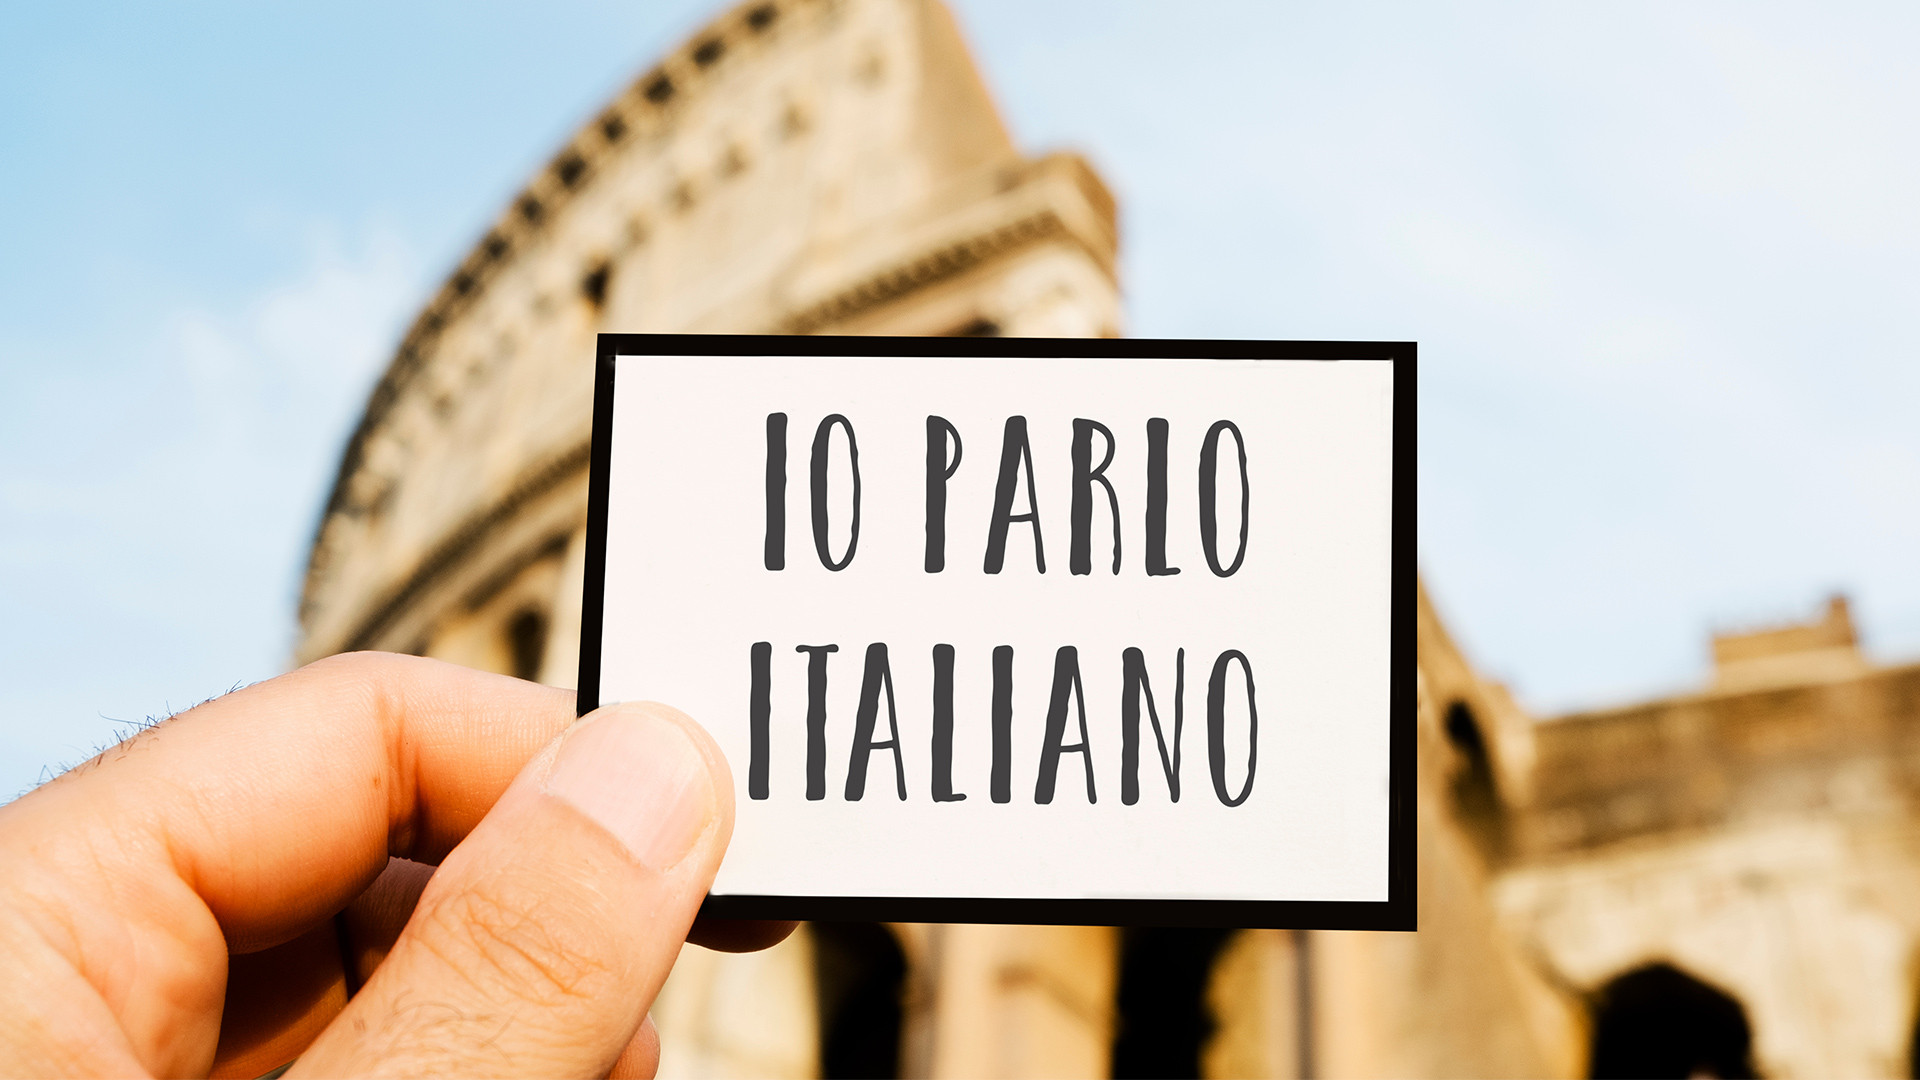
pixel 954 684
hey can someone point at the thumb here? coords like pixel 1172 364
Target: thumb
pixel 539 945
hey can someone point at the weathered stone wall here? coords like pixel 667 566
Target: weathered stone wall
pixel 1764 840
pixel 1848 748
pixel 1459 997
pixel 1759 836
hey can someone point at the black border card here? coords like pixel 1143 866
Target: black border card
pixel 1397 912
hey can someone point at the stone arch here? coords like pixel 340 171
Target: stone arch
pixel 1657 1020
pixel 859 974
pixel 1163 1018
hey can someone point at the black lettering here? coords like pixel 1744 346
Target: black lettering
pixel 1080 556
pixel 1013 453
pixel 939 471
pixel 776 545
pixel 1066 681
pixel 878 675
pixel 1209 458
pixel 1134 685
pixel 1217 726
pixel 943 726
pixel 1157 500
pixel 1000 782
pixel 759 708
pixel 821 439
pixel 816 718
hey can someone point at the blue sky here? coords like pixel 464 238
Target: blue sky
pixel 1662 261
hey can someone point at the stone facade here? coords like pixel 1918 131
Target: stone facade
pixel 1756 839
pixel 836 166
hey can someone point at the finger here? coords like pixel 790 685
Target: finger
pixel 280 803
pixel 641 1059
pixel 544 937
pixel 280 999
pixel 240 825
pixel 373 922
pixel 738 935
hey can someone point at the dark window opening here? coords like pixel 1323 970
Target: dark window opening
pixel 1913 1052
pixel 859 974
pixel 614 127
pixel 976 328
pixel 495 246
pixel 1163 1018
pixel 1659 1021
pixel 530 208
pixel 659 90
pixel 570 168
pixel 594 285
pixel 709 51
pixel 527 643
pixel 462 283
pixel 1476 797
pixel 761 17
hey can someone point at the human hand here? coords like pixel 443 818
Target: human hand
pixel 208 895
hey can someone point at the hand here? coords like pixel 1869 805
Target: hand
pixel 210 895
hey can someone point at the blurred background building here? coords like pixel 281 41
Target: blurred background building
pixel 1707 884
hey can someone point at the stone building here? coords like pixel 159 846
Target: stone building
pixel 1738 858
pixel 1721 882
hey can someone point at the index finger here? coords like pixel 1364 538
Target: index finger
pixel 279 803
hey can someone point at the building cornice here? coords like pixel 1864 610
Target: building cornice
pixel 649 108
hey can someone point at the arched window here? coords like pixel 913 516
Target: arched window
pixel 527 643
pixel 1659 1021
pixel 1476 799
pixel 1162 1001
pixel 859 974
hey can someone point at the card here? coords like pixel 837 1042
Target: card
pixel 1023 630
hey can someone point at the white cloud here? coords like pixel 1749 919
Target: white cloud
pixel 159 528
pixel 304 349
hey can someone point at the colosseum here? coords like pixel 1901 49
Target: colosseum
pixel 1713 884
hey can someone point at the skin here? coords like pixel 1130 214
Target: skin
pixel 255 880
